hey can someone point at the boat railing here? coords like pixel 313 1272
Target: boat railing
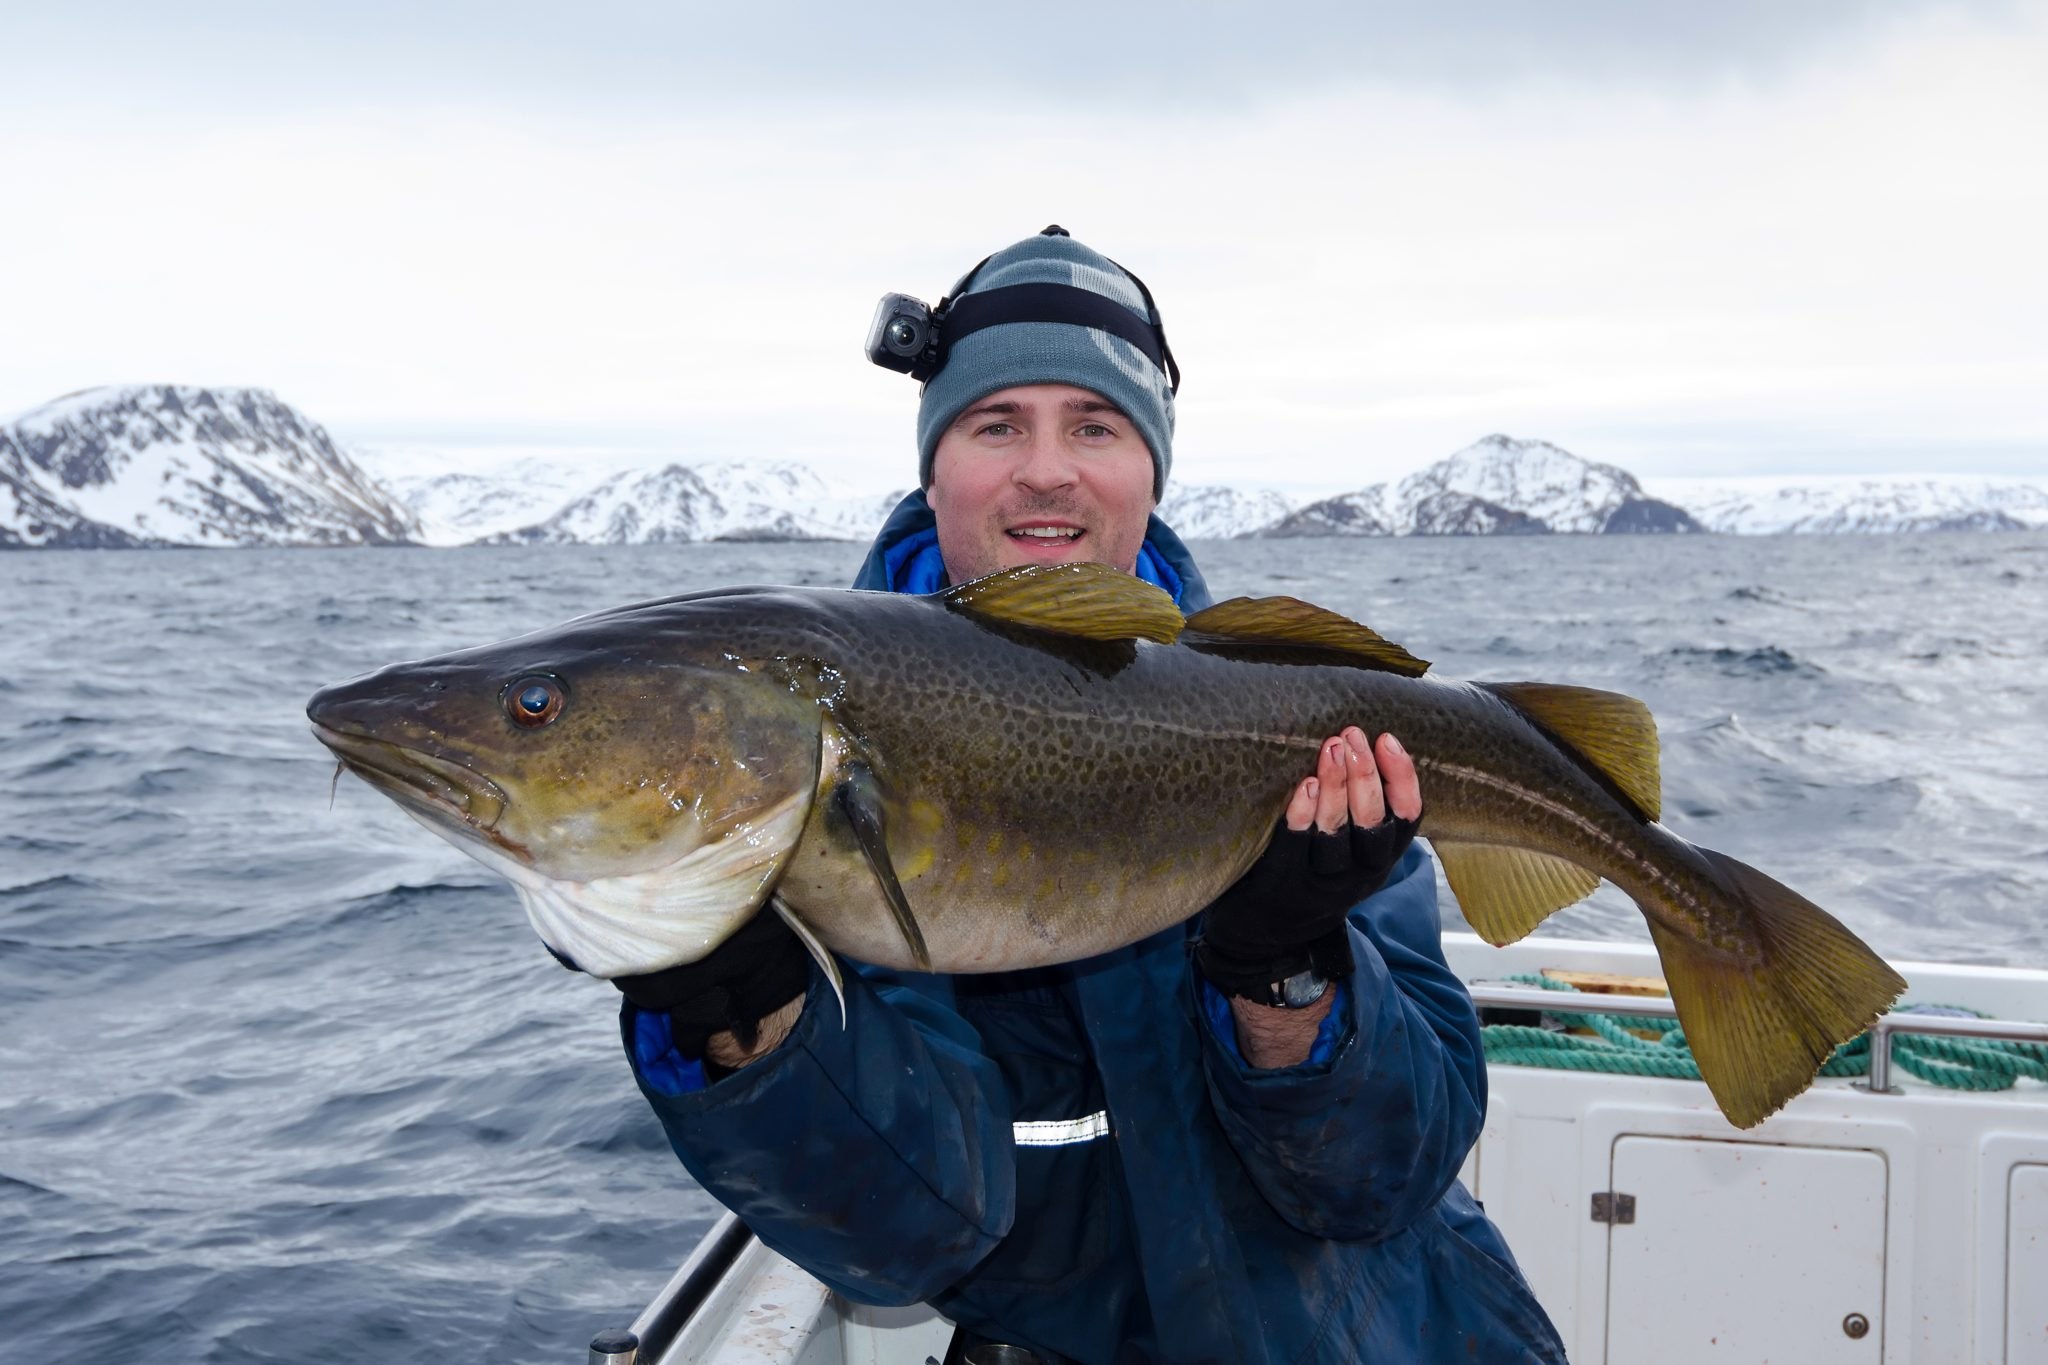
pixel 1888 1025
pixel 663 1318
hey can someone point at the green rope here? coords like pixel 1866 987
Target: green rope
pixel 1618 1046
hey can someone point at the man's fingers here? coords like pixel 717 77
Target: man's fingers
pixel 1301 807
pixel 1397 770
pixel 1356 782
pixel 1332 783
pixel 1368 806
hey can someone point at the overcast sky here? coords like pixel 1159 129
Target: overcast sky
pixel 1685 238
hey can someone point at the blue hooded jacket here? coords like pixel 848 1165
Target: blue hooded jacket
pixel 1078 1159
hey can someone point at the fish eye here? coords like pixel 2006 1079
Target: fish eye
pixel 533 702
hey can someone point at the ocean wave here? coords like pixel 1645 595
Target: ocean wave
pixel 155 782
pixel 65 722
pixel 1763 595
pixel 1763 661
pixel 10 1184
pixel 62 881
pixel 1721 747
pixel 71 759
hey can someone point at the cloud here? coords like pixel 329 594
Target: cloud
pixel 922 65
pixel 1358 275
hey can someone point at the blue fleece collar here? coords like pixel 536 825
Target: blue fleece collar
pixel 905 557
pixel 913 565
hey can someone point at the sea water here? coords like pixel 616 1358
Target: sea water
pixel 285 1077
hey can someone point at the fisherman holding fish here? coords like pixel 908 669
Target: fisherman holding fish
pixel 1236 1140
pixel 1031 936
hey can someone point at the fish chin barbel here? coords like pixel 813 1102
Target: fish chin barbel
pixel 1044 765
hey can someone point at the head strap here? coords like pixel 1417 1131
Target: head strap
pixel 962 314
pixel 1046 302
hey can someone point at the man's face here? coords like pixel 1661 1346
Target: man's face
pixel 1040 474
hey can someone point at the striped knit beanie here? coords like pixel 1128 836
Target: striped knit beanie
pixel 1015 353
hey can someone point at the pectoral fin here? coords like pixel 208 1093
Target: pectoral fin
pixel 858 798
pixel 818 951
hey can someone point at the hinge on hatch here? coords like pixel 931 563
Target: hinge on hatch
pixel 1610 1207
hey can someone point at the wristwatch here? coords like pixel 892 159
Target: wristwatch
pixel 1296 992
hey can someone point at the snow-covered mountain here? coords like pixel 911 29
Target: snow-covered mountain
pixel 1496 486
pixel 172 465
pixel 1363 513
pixel 720 501
pixel 1771 506
pixel 458 506
pixel 1208 511
pixel 1533 479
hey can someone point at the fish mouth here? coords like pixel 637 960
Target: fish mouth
pixel 427 784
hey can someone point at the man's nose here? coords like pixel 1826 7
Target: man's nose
pixel 1047 463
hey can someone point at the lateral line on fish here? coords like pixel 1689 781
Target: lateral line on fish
pixel 1495 782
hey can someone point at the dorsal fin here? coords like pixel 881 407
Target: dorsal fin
pixel 1092 601
pixel 1290 621
pixel 1615 735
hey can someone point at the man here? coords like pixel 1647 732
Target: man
pixel 1235 1141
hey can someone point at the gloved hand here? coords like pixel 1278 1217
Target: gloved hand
pixel 1286 915
pixel 757 971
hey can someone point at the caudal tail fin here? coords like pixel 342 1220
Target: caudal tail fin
pixel 1761 1024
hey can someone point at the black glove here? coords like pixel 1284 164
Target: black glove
pixel 1286 914
pixel 757 971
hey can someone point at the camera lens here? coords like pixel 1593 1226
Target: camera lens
pixel 905 336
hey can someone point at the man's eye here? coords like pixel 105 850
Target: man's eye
pixel 997 429
pixel 1096 429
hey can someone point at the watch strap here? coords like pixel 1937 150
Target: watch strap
pixel 1293 981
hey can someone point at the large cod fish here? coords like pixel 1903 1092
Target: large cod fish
pixel 1043 765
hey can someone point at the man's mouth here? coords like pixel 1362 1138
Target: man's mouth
pixel 1045 533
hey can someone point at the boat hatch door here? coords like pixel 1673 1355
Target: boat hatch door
pixel 1746 1251
pixel 2026 1267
